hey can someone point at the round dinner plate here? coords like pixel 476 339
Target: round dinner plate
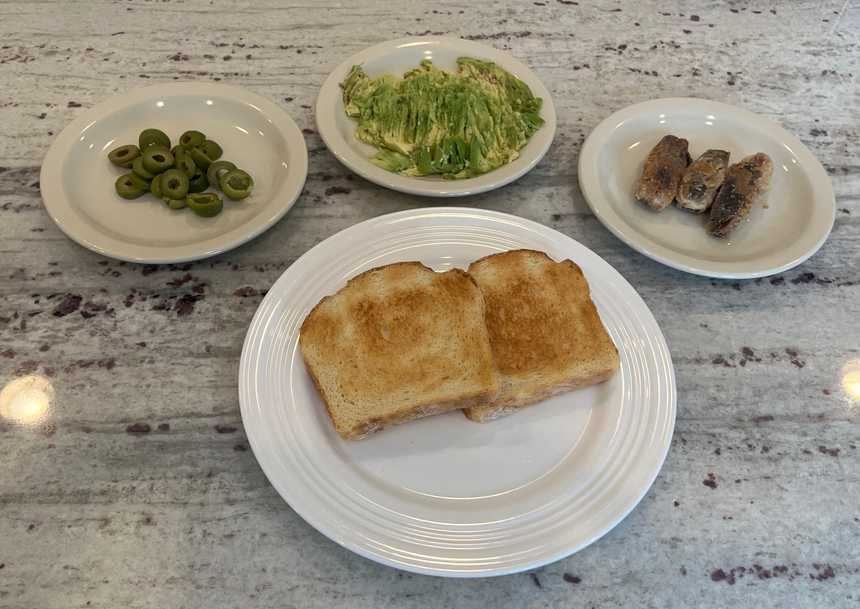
pixel 396 57
pixel 794 221
pixel 77 180
pixel 443 495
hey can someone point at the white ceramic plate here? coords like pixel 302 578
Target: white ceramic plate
pixel 443 495
pixel 800 206
pixel 396 57
pixel 77 180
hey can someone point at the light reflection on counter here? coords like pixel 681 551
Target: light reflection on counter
pixel 27 400
pixel 851 379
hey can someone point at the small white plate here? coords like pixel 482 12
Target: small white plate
pixel 789 228
pixel 77 180
pixel 396 57
pixel 443 495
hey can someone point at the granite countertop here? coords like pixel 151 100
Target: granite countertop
pixel 136 488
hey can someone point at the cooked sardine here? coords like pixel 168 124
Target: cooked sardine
pixel 744 184
pixel 658 184
pixel 702 180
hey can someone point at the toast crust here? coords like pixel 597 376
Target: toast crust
pixel 397 343
pixel 546 334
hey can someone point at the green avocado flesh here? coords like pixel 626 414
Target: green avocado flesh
pixel 432 122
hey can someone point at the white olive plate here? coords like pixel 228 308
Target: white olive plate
pixel 396 57
pixel 77 180
pixel 787 228
pixel 443 495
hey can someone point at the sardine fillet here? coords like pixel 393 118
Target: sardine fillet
pixel 744 184
pixel 702 180
pixel 661 176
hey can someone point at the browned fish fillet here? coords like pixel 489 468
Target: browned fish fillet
pixel 702 180
pixel 744 184
pixel 658 184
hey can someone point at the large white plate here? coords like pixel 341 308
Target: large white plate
pixel 444 495
pixel 77 181
pixel 396 57
pixel 800 206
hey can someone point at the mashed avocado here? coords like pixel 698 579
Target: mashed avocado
pixel 432 122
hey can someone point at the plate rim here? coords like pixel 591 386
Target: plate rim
pixel 56 202
pixel 593 192
pixel 337 145
pixel 332 532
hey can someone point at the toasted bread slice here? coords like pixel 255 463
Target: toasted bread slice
pixel 546 334
pixel 398 343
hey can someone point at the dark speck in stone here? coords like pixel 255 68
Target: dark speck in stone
pixel 833 452
pixel 240 448
pixel 536 580
pixel 164 427
pixel 138 428
pixel 337 190
pixel 225 428
pixel 571 579
pixel 69 304
pixel 710 481
pixel 676 503
pixel 694 18
pixel 777 281
pixel 804 278
pixel 556 217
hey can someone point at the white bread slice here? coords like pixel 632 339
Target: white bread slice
pixel 398 343
pixel 546 334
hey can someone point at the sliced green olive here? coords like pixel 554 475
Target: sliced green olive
pixel 174 184
pixel 155 186
pixel 189 139
pixel 157 159
pixel 175 203
pixel 218 169
pixel 201 158
pixel 212 150
pixel 198 182
pixel 206 204
pixel 185 164
pixel 142 183
pixel 149 137
pixel 127 187
pixel 138 168
pixel 236 184
pixel 124 155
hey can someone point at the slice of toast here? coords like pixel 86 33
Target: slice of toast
pixel 398 343
pixel 546 334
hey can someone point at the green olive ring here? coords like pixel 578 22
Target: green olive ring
pixel 212 150
pixel 236 184
pixel 138 169
pixel 190 139
pixel 200 157
pixel 124 156
pixel 217 170
pixel 157 159
pixel 206 204
pixel 198 183
pixel 155 186
pixel 174 184
pixel 149 137
pixel 185 164
pixel 127 187
pixel 175 203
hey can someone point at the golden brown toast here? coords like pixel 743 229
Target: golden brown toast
pixel 545 333
pixel 398 343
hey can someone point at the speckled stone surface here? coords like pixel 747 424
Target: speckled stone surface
pixel 137 488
